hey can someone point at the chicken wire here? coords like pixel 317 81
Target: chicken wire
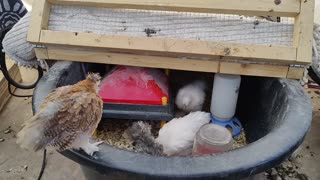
pixel 183 25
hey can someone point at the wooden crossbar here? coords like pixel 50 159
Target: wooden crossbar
pixel 289 8
pixel 199 65
pixel 168 46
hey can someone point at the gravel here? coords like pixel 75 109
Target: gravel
pixel 288 170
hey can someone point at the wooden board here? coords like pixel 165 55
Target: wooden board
pixel 253 69
pixel 303 31
pixel 163 62
pixel 39 19
pixel 128 59
pixel 295 72
pixel 168 46
pixel 15 74
pixel 288 8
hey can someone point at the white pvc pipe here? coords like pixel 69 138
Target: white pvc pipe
pixel 225 96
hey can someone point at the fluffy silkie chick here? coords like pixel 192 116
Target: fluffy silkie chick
pixel 191 96
pixel 140 133
pixel 175 137
pixel 66 118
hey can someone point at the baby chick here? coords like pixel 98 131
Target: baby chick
pixel 140 133
pixel 191 97
pixel 66 119
pixel 175 137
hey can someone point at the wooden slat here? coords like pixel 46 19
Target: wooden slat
pixel 168 47
pixel 41 53
pixel 288 8
pixel 15 74
pixel 253 69
pixel 132 60
pixel 295 72
pixel 165 62
pixel 39 19
pixel 303 31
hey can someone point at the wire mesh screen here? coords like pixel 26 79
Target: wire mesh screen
pixel 183 25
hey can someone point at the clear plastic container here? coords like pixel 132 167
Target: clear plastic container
pixel 212 138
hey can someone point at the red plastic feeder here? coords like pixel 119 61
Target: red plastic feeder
pixel 136 93
pixel 134 85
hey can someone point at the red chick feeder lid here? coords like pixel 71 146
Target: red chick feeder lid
pixel 134 85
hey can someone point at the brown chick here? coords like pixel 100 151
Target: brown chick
pixel 66 119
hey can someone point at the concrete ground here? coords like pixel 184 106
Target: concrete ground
pixel 307 157
pixel 16 164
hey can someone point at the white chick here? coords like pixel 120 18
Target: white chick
pixel 176 136
pixel 191 97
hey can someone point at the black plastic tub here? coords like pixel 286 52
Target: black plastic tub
pixel 275 113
